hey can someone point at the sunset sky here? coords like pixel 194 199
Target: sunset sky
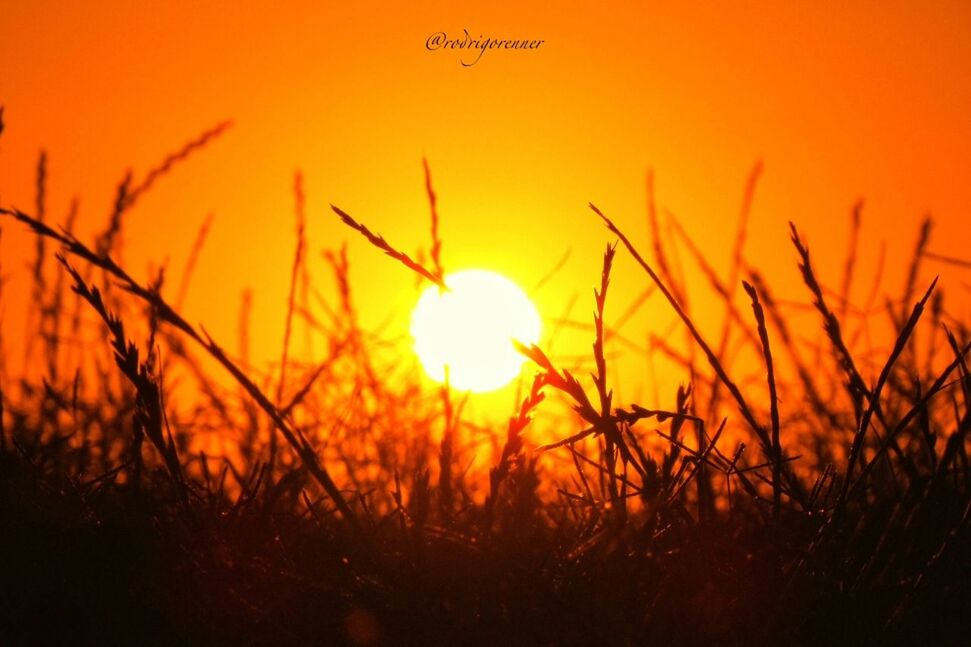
pixel 840 101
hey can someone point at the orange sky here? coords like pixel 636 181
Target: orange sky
pixel 857 99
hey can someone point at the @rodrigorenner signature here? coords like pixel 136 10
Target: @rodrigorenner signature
pixel 440 40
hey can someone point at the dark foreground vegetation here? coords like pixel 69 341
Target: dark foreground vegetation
pixel 825 502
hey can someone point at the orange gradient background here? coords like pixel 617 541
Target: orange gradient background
pixel 840 101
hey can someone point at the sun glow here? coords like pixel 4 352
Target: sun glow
pixel 470 329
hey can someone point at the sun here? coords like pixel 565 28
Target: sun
pixel 470 329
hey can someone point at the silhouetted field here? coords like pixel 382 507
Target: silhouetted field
pixel 337 505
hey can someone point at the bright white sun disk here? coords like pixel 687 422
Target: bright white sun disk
pixel 470 329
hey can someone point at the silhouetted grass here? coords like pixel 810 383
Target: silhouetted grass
pixel 830 503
